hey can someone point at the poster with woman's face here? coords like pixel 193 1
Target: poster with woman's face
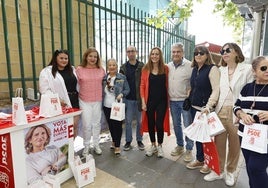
pixel 46 147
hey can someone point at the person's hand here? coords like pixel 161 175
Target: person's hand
pixel 205 110
pixel 144 107
pixel 119 97
pixel 62 103
pixel 263 116
pixel 46 170
pixel 246 118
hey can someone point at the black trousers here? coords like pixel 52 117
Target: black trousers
pixel 115 127
pixel 156 111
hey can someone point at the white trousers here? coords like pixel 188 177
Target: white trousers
pixel 91 121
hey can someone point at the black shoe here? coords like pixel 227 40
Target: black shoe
pixel 140 145
pixel 127 146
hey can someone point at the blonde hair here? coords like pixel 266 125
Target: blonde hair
pixel 88 51
pixel 27 145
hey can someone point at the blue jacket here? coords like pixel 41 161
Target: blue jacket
pixel 120 85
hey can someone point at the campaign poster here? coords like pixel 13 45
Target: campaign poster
pixel 46 148
pixel 6 165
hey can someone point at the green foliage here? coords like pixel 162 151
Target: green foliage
pixel 184 8
pixel 231 16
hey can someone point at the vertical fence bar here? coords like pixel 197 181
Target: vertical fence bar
pixel 142 35
pixel 69 28
pixel 121 26
pixel 32 47
pixel 105 31
pixel 134 25
pixel 20 49
pixel 42 34
pixel 51 25
pixel 79 30
pixel 116 34
pixel 129 41
pixel 126 29
pixel 87 27
pixel 100 41
pixel 61 27
pixel 111 28
pixel 9 72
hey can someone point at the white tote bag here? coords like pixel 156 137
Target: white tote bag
pixel 255 138
pixel 18 111
pixel 50 105
pixel 118 111
pixel 215 124
pixel 199 129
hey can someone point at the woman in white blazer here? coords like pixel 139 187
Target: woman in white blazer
pixel 60 77
pixel 234 75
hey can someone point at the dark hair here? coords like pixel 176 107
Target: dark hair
pixel 209 60
pixel 161 65
pixel 239 58
pixel 88 51
pixel 53 62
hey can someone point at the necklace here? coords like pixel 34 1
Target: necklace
pixel 253 103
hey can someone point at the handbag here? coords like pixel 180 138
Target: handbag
pixel 18 110
pixel 254 138
pixel 50 105
pixel 186 104
pixel 215 124
pixel 118 111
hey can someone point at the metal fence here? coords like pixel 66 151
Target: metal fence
pixel 32 30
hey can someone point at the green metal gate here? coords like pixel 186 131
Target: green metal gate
pixel 32 29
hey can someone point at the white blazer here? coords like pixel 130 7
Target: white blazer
pixel 47 84
pixel 242 76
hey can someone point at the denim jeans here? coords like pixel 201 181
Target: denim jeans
pixel 199 145
pixel 176 113
pixel 131 112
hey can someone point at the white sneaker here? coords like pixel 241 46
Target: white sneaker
pixel 160 152
pixel 86 151
pixel 229 179
pixel 151 151
pixel 97 150
pixel 213 176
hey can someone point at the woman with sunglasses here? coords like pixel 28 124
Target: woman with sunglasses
pixel 234 75
pixel 252 107
pixel 204 95
pixel 60 77
pixel 115 88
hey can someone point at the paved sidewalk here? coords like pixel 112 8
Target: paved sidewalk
pixel 134 169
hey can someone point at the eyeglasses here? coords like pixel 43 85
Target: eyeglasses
pixel 263 68
pixel 131 51
pixel 199 53
pixel 227 50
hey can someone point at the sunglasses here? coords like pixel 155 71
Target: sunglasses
pixel 263 68
pixel 199 53
pixel 227 50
